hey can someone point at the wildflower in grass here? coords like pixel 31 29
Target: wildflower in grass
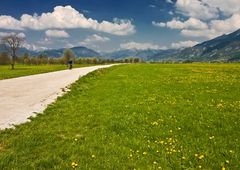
pixel 201 157
pixel 162 142
pixel 231 151
pixel 211 137
pixel 170 131
pixel 223 168
pixel 93 156
pixel 183 157
pixel 155 163
pixel 199 166
pixel 220 105
pixel 144 153
pixel 76 139
pixel 74 165
pixel 154 123
pixel 227 161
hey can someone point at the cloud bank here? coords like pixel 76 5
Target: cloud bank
pixel 57 33
pixel 205 18
pixel 141 46
pixel 66 17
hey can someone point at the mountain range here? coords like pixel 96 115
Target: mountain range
pixel 56 53
pixel 225 47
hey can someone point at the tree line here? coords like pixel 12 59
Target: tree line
pixel 41 59
pixel 13 42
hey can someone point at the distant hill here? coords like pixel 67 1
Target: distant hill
pixel 78 51
pixel 225 47
pixel 147 55
pixel 56 53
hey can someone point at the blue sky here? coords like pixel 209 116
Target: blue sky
pixel 106 25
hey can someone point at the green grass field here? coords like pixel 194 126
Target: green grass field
pixel 26 70
pixel 139 116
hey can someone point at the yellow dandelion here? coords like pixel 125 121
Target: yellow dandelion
pixel 211 137
pixel 74 164
pixel 155 123
pixel 201 157
pixel 223 168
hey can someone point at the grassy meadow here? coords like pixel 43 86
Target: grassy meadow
pixel 138 116
pixel 26 70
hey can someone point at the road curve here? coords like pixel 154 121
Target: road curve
pixel 21 97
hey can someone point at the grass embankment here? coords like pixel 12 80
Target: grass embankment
pixel 136 117
pixel 26 70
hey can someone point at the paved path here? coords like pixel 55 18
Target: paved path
pixel 21 97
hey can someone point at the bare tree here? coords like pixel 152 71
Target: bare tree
pixel 12 43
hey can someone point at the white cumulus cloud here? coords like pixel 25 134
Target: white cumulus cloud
pixel 20 34
pixel 227 7
pixel 206 18
pixel 94 39
pixel 9 23
pixel 192 23
pixel 66 17
pixel 34 47
pixel 184 44
pixel 57 33
pixel 197 9
pixel 140 46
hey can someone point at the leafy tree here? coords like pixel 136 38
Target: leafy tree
pixel 26 58
pixel 68 55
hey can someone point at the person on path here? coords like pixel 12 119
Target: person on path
pixel 70 64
